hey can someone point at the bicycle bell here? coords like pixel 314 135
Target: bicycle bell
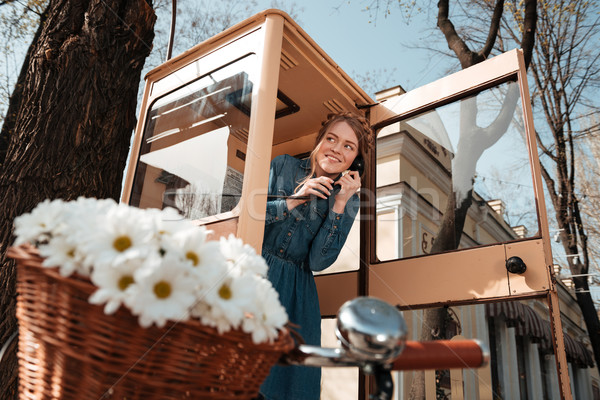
pixel 371 329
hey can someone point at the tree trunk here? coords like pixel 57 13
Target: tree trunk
pixel 72 125
pixel 451 228
pixel 448 238
pixel 432 329
pixel 589 313
pixel 574 240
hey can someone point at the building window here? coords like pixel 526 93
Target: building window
pixel 546 375
pixel 494 361
pixel 521 363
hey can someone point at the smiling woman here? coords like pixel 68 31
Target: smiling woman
pixel 306 225
pixel 338 149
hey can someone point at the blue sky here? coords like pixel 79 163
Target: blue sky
pixel 342 29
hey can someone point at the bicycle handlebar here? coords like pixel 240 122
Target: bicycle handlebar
pixel 442 354
pixel 437 354
pixel 372 335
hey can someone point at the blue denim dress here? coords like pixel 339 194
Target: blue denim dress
pixel 307 238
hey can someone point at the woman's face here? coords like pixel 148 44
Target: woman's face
pixel 338 149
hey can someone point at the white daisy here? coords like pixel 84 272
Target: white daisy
pixel 157 264
pixel 82 215
pixel 116 237
pixel 162 292
pixel 204 259
pixel 243 256
pixel 232 298
pixel 61 253
pixel 204 312
pixel 41 223
pixel 181 241
pixel 270 317
pixel 113 283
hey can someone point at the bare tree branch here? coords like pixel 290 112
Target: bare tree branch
pixel 465 55
pixel 493 31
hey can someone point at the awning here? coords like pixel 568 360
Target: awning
pixel 513 312
pixel 536 328
pixel 527 322
pixel 577 352
pixel 524 319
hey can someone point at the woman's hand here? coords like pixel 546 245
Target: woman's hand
pixel 349 184
pixel 320 187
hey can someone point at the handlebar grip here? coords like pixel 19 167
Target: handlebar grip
pixel 442 354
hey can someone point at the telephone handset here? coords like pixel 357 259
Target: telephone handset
pixel 358 165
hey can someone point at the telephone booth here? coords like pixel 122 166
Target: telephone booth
pixel 215 116
pixel 431 231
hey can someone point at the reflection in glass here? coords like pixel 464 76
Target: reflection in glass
pixel 194 144
pixel 522 364
pixel 457 176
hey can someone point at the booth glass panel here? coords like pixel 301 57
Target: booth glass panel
pixel 462 164
pixel 518 336
pixel 194 144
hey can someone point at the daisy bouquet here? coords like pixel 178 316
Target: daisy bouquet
pixel 156 264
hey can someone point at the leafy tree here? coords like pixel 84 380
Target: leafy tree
pixel 566 75
pixel 462 45
pixel 69 121
pixel 72 110
pixel 587 167
pixel 559 41
pixel 452 225
pixel 373 80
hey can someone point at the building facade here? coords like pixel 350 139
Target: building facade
pixel 414 182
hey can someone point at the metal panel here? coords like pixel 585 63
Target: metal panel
pixel 335 289
pixel 469 275
pixel 441 278
pixel 536 278
pixel 477 76
pixel 260 140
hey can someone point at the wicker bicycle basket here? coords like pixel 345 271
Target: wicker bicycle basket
pixel 69 349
